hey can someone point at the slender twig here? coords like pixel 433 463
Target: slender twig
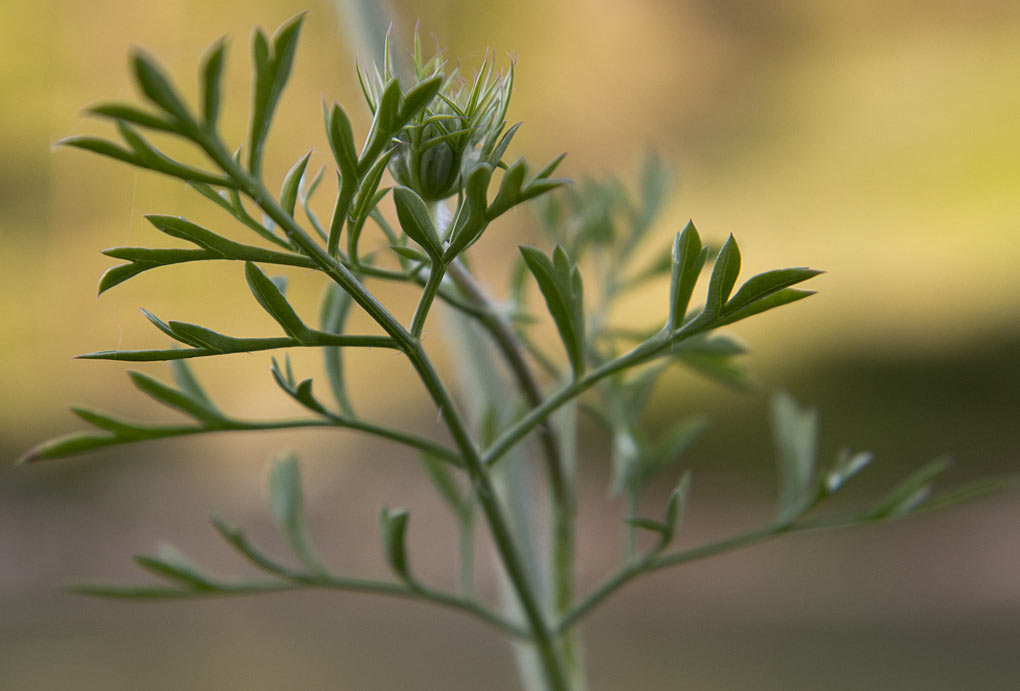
pixel 653 561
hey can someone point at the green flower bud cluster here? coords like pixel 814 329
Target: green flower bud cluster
pixel 462 127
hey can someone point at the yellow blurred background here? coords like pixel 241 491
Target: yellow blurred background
pixel 879 141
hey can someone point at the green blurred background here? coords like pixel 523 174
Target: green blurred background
pixel 878 140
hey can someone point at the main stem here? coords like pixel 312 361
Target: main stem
pixel 478 473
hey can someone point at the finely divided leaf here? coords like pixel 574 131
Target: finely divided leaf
pixel 157 87
pixel 393 525
pixel 846 466
pixel 341 141
pixel 119 111
pixel 765 284
pixel 182 401
pixel 724 276
pixel 289 191
pixel 188 384
pixel 336 305
pixel 174 566
pixel 419 96
pixel 559 282
pixel 287 501
pixel 795 431
pixel 907 495
pixel 101 147
pixel 677 503
pixel 272 70
pixel 212 71
pixel 783 297
pixel 177 227
pixel 688 258
pixel 272 300
pixel 416 222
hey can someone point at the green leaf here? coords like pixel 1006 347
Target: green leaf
pixel 384 124
pixel 724 276
pixel 120 428
pixel 766 284
pixel 366 200
pixel 66 445
pixel 495 157
pixel 650 524
pixel 303 394
pixel 101 147
pixel 202 337
pixel 795 431
pixel 118 111
pixel 688 258
pixel 783 297
pixel 509 193
pixel 393 525
pixel 285 495
pixel 157 87
pixel 188 384
pixel 677 504
pixel 418 97
pixel 287 501
pixel 212 71
pixel 410 253
pixel 170 331
pixel 291 183
pixel 147 156
pixel 272 300
pixel 971 490
pixel 336 305
pixel 550 168
pixel 178 227
pixel 846 466
pixel 911 492
pixel 272 70
pixel 416 221
pixel 559 282
pixel 439 472
pixel 174 566
pixel 179 400
pixel 341 141
pixel 668 527
pixel 471 216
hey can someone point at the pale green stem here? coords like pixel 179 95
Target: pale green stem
pixel 564 505
pixel 653 561
pixel 466 529
pixel 428 296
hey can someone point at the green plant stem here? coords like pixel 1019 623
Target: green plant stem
pixel 498 525
pixel 428 295
pixel 563 499
pixel 413 590
pixel 376 430
pixel 540 413
pixel 652 561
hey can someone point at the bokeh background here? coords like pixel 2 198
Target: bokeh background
pixel 879 140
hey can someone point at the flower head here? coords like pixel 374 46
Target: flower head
pixel 461 127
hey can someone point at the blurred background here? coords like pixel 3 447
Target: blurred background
pixel 878 140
